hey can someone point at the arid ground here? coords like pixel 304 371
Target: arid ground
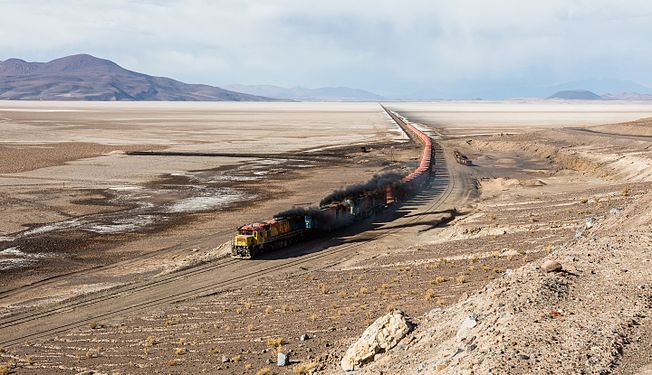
pixel 117 263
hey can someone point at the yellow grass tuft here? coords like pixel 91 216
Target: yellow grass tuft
pixel 172 321
pixel 236 358
pixel 461 279
pixel 438 280
pixel 304 368
pixel 275 342
pixel 150 341
pixel 180 351
pixel 430 294
pixel 269 310
pixel 625 192
pixel 264 371
pixel 323 288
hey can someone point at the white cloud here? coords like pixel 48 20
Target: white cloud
pixel 382 45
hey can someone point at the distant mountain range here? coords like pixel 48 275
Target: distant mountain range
pixel 84 77
pixel 306 94
pixel 575 95
pixel 589 95
pixel 467 90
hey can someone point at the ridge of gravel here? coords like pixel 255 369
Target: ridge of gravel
pixel 531 321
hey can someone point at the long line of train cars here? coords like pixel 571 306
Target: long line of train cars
pixel 350 206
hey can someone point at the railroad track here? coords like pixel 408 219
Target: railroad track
pixel 31 326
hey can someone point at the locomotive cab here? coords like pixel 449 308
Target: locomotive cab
pixel 245 242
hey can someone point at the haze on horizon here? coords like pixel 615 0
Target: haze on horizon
pixel 440 48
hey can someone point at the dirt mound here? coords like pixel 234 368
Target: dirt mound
pixel 531 321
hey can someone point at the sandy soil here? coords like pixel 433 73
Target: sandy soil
pixel 527 197
pixel 73 199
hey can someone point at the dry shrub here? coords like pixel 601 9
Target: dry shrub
pixel 290 308
pixel 264 371
pixel 342 294
pixel 172 362
pixel 584 200
pixel 269 310
pixel 93 324
pixel 248 366
pixel 236 358
pixel 275 342
pixel 172 321
pixel 323 288
pixel 179 351
pixel 430 294
pixel 247 305
pixel 461 279
pixel 363 290
pixel 150 341
pixel 625 192
pixel 438 280
pixel 471 268
pixel 390 307
pixel 305 368
pixel 499 270
pixel 250 327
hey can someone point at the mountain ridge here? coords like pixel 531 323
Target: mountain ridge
pixel 86 77
pixel 337 93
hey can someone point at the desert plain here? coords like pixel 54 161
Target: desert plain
pixel 114 262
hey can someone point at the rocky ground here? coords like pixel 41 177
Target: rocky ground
pixel 468 281
pixel 582 308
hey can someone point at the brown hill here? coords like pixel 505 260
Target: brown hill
pixel 84 77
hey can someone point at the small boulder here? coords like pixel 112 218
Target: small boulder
pixel 469 323
pixel 304 337
pixel 380 336
pixel 589 222
pixel 282 359
pixel 225 359
pixel 551 266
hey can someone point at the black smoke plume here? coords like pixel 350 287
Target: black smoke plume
pixel 376 182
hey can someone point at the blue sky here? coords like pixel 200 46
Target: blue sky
pixel 396 48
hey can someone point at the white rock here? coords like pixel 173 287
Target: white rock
pixel 380 336
pixel 589 222
pixel 466 326
pixel 282 359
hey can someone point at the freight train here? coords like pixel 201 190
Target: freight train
pixel 337 210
